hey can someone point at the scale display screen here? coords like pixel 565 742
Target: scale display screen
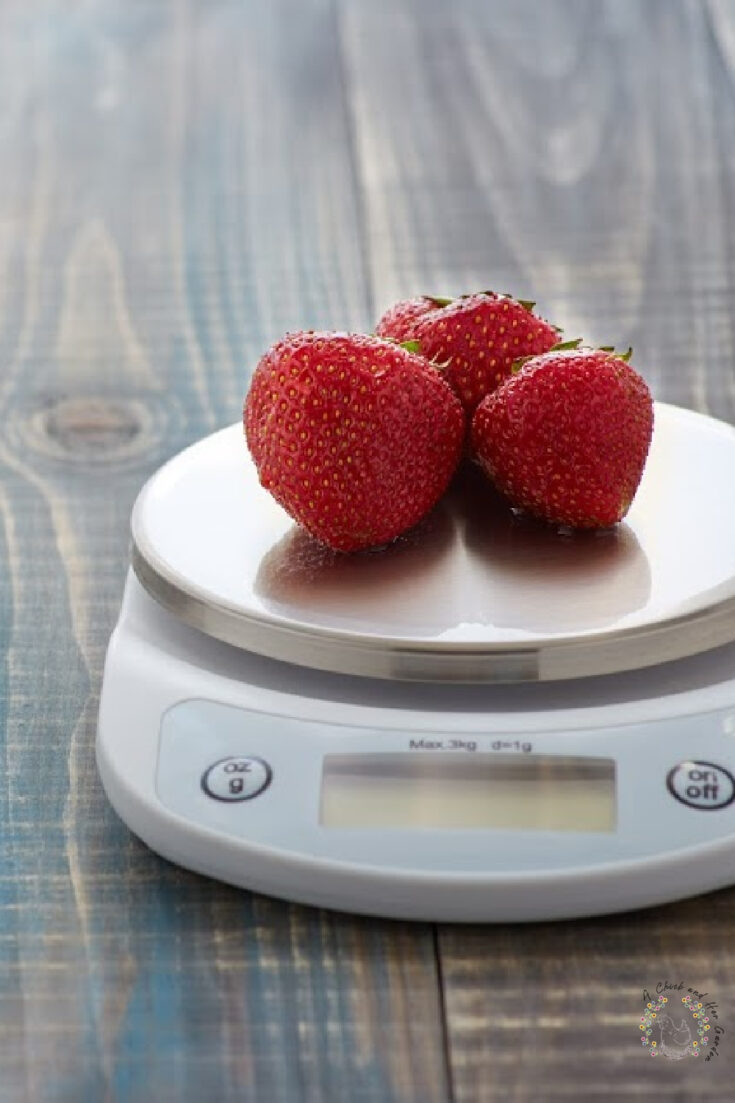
pixel 464 791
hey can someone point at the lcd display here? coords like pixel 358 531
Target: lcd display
pixel 468 790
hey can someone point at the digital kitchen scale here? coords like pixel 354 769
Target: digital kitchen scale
pixel 487 720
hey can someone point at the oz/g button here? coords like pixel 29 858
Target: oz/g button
pixel 236 778
pixel 701 785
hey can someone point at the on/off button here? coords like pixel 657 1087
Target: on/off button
pixel 701 785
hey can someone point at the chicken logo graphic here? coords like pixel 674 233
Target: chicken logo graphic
pixel 670 1028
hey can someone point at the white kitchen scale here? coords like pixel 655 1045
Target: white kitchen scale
pixel 487 721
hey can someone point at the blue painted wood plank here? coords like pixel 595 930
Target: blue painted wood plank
pixel 177 190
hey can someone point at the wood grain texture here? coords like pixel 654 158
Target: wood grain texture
pixel 177 190
pixel 180 184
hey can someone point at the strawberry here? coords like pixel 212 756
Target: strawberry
pixel 566 438
pixel 356 437
pixel 399 322
pixel 476 338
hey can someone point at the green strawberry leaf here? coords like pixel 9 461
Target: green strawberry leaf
pixel 563 346
pixel 439 300
pixel 619 355
pixel 411 346
pixel 560 346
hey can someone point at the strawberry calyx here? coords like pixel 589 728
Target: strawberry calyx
pixel 527 304
pixel 441 300
pixel 566 346
pixel 560 346
pixel 414 346
pixel 618 355
pixel 411 346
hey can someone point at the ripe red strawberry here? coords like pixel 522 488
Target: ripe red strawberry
pixel 356 437
pixel 566 438
pixel 477 337
pixel 399 322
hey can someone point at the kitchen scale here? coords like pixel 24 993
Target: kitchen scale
pixel 486 721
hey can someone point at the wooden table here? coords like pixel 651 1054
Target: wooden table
pixel 179 184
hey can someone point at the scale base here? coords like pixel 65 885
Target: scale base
pixel 155 663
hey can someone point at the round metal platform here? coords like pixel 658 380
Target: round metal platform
pixel 474 594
